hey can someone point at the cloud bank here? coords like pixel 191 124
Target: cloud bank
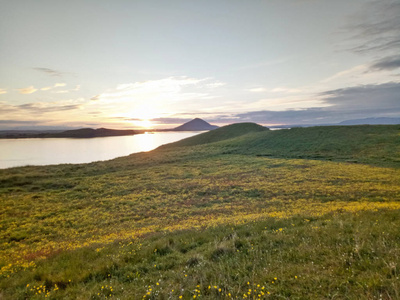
pixel 374 100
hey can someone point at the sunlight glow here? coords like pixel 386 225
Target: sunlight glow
pixel 147 124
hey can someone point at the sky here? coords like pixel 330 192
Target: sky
pixel 158 64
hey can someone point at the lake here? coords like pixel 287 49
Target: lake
pixel 51 151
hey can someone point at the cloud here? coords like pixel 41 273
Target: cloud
pixel 50 72
pixel 28 90
pixel 352 72
pixel 285 90
pixel 166 85
pixel 376 28
pixel 94 98
pixel 47 107
pixel 3 91
pixel 386 63
pixel 59 85
pixel 39 108
pixel 17 122
pixel 298 117
pixel 6 108
pixel 31 89
pixel 373 100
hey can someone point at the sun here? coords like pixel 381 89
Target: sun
pixel 144 123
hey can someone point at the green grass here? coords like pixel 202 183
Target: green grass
pixel 378 144
pixel 219 134
pixel 230 213
pixel 339 255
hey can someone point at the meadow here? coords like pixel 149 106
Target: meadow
pixel 235 213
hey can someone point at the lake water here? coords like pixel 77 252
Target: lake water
pixel 50 151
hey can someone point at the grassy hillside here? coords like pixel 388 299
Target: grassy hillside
pixel 378 144
pixel 219 134
pixel 217 220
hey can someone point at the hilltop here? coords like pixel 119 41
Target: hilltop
pixel 220 134
pixel 195 125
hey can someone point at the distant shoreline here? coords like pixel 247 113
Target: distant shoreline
pixel 38 134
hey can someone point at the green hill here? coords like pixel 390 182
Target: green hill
pixel 373 144
pixel 219 134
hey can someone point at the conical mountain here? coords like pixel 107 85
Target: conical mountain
pixel 195 125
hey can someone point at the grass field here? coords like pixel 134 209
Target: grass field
pixel 238 212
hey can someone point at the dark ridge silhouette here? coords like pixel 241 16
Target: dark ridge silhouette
pixel 91 133
pixel 75 133
pixel 195 125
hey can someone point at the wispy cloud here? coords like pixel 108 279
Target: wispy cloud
pixel 376 28
pixel 285 90
pixel 3 91
pixel 28 90
pixel 5 108
pixel 386 63
pixel 50 72
pixel 57 85
pixel 354 71
pixel 47 107
pixel 40 107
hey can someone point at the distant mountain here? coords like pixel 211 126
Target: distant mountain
pixel 372 121
pixel 195 125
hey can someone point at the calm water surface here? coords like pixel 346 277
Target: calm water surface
pixel 50 151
